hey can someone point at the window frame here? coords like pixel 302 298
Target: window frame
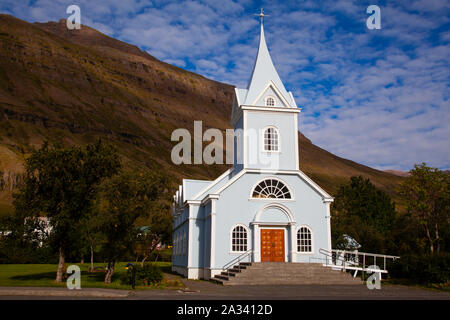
pixel 278 139
pixel 292 198
pixel 247 244
pixel 297 239
pixel 266 99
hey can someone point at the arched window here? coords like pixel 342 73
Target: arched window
pixel 239 238
pixel 270 102
pixel 271 188
pixel 271 139
pixel 304 240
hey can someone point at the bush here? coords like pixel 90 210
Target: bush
pixel 147 275
pixel 423 269
pixel 164 255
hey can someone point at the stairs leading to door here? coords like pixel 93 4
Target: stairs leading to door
pixel 282 273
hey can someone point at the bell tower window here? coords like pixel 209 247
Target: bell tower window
pixel 270 102
pixel 271 137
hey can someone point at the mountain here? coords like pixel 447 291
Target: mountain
pixel 75 86
pixel 398 173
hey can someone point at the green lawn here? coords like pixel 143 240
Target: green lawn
pixel 43 275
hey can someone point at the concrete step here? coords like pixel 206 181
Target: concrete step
pixel 271 273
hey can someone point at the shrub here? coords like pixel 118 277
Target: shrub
pixel 147 275
pixel 423 269
pixel 164 255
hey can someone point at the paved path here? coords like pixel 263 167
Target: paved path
pixel 203 290
pixel 57 293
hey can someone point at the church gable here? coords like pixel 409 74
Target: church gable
pixel 271 97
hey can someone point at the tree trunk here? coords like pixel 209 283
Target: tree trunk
pixel 436 230
pixel 59 272
pixel 429 239
pixel 109 272
pixel 143 260
pixel 91 268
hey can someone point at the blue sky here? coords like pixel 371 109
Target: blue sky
pixel 378 97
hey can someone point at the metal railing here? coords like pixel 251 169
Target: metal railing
pixel 237 261
pixel 354 260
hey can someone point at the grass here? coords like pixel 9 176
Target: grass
pixel 43 275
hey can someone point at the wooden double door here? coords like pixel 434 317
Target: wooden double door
pixel 272 245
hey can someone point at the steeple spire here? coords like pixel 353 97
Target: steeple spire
pixel 264 72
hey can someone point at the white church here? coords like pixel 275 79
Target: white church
pixel 263 208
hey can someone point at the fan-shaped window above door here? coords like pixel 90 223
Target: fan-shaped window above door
pixel 271 189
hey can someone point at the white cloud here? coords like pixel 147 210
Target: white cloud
pixel 382 94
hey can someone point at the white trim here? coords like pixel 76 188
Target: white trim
pixel 296 147
pixel 247 230
pixel 271 199
pixel 190 240
pixel 284 209
pixel 293 239
pixel 312 239
pixel 212 253
pixel 236 104
pixel 276 90
pixel 326 197
pixel 209 197
pixel 263 139
pixel 270 109
pixel 293 100
pixel 244 140
pixel 213 183
pixel 193 201
pixel 328 217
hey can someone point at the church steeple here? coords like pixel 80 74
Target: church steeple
pixel 264 117
pixel 264 74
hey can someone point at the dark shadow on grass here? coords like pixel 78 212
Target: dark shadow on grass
pixel 95 276
pixel 168 269
pixel 36 276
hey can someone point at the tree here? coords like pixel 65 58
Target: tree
pixel 121 201
pixel 92 235
pixel 427 195
pixel 365 213
pixel 61 183
pixel 157 230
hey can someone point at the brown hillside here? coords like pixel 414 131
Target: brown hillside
pixel 75 86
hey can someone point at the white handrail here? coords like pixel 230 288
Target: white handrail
pixel 353 261
pixel 236 260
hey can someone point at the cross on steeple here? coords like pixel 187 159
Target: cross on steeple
pixel 262 15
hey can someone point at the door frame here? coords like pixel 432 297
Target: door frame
pixel 284 240
pixel 257 238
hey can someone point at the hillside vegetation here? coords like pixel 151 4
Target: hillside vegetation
pixel 73 87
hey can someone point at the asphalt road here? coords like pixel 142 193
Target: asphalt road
pixel 203 290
